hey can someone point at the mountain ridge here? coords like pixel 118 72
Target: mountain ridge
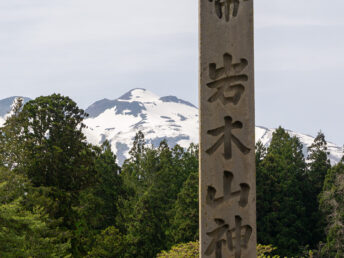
pixel 158 118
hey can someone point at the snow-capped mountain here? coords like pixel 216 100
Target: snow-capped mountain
pixel 158 118
pixel 265 136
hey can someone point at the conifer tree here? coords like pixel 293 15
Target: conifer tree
pixel 109 185
pixel 48 146
pixel 108 244
pixel 319 162
pixel 98 207
pixel 25 231
pixel 281 215
pixel 318 166
pixel 152 179
pixel 149 220
pixel 332 205
pixel 56 152
pixel 185 222
pixel 260 152
pixel 10 137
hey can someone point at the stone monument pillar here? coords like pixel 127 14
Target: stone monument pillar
pixel 227 130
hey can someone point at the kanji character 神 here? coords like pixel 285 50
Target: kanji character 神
pixel 221 235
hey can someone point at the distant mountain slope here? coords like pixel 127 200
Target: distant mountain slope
pixel 265 136
pixel 5 104
pixel 158 118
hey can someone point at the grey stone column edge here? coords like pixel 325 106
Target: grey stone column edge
pixel 227 129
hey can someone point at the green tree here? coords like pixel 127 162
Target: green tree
pixel 109 244
pixel 98 206
pixel 146 236
pixel 55 149
pixel 332 205
pixel 260 152
pixel 318 166
pixel 190 250
pixel 185 221
pixel 281 214
pixel 136 175
pixel 26 232
pixel 149 219
pixel 10 137
pixel 47 145
pixel 153 178
pixel 319 162
pixel 109 185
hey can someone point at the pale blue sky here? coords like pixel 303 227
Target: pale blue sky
pixel 94 49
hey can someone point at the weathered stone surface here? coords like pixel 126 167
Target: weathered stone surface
pixel 227 129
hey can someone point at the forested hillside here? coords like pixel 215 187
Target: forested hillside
pixel 61 196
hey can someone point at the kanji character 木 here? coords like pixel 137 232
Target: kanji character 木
pixel 227 138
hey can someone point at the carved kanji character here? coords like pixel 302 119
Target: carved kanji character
pixel 217 236
pixel 241 235
pixel 227 79
pixel 243 193
pixel 227 138
pixel 227 8
pixel 222 234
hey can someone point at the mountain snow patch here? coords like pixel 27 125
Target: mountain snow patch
pixel 158 118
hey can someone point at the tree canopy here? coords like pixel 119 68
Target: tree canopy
pixel 63 197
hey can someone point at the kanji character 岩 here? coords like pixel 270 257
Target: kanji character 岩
pixel 227 79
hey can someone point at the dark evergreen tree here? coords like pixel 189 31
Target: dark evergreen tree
pixel 319 162
pixel 146 236
pixel 134 175
pixel 55 149
pixel 332 205
pixel 25 228
pixel 98 206
pixel 152 178
pixel 260 152
pixel 48 146
pixel 318 166
pixel 149 220
pixel 108 244
pixel 109 185
pixel 10 138
pixel 185 222
pixel 281 214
